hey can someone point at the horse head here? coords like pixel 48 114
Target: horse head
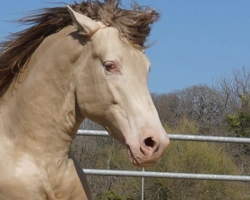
pixel 111 89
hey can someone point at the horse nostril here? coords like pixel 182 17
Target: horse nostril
pixel 149 142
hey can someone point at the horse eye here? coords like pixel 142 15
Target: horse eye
pixel 110 67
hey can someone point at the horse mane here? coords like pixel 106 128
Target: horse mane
pixel 133 24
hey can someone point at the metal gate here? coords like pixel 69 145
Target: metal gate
pixel 144 173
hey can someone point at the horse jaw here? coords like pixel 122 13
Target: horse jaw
pixel 139 129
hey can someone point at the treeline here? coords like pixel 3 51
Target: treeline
pixel 222 110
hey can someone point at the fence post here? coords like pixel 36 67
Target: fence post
pixel 142 186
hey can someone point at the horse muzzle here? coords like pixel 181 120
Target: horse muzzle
pixel 148 152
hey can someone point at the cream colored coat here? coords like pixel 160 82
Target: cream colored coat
pixel 73 75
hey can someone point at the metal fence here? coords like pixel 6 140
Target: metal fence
pixel 143 173
pixel 172 175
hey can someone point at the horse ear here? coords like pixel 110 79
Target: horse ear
pixel 85 25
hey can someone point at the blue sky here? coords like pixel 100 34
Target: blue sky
pixel 196 42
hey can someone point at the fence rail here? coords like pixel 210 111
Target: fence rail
pixel 143 173
pixel 183 137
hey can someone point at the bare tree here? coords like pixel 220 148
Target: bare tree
pixel 204 105
pixel 166 105
pixel 200 103
pixel 236 90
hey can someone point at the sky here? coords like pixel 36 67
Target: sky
pixel 195 42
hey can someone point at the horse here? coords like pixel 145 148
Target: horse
pixel 74 62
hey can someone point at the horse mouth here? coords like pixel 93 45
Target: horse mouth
pixel 132 159
pixel 140 162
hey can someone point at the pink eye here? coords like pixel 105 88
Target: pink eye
pixel 110 66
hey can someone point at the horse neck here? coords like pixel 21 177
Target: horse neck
pixel 39 111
